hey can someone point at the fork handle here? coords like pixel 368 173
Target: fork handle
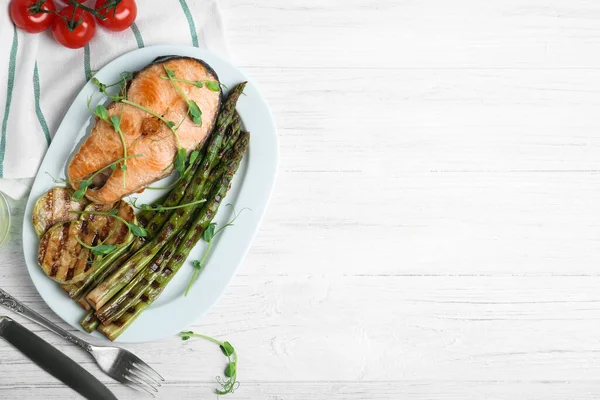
pixel 16 306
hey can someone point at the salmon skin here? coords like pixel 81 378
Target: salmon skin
pixel 145 134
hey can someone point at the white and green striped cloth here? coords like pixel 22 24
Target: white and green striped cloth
pixel 39 78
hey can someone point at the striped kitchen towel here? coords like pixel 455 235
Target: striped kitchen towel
pixel 39 78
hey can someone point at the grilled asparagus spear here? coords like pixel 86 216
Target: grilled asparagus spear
pixel 127 295
pixel 159 279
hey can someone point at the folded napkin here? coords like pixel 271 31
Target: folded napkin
pixel 39 78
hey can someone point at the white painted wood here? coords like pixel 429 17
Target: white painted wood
pixel 434 230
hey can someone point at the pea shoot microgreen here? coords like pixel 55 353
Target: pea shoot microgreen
pixel 210 85
pixel 230 384
pixel 208 235
pixel 193 110
pixel 213 86
pixel 160 207
pixel 99 250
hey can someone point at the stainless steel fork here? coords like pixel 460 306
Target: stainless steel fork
pixel 120 364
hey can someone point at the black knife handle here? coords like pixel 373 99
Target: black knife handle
pixel 53 361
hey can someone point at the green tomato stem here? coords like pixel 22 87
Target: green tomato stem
pixel 95 13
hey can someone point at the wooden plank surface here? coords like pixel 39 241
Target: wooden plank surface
pixel 434 230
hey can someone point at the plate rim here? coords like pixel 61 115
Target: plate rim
pixel 249 232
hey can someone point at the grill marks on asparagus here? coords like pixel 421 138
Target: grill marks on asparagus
pixel 202 220
pixel 134 289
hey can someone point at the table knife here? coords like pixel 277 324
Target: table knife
pixel 53 361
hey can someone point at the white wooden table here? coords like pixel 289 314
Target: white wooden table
pixel 435 229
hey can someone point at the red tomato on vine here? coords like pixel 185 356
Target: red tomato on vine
pixel 32 16
pixel 120 14
pixel 73 27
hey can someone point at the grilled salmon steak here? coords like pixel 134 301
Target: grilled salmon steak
pixel 146 135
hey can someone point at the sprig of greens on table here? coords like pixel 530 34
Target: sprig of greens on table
pixel 230 384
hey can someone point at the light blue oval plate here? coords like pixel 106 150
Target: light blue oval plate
pixel 251 188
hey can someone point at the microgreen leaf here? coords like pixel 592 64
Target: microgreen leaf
pixel 197 264
pixel 214 86
pixel 209 232
pixel 186 335
pixel 102 112
pixel 100 250
pixel 230 369
pixel 116 122
pixel 103 249
pixel 114 211
pixel 113 166
pixel 195 112
pixel 170 124
pixel 124 167
pixel 197 84
pixel 79 193
pixel 180 160
pixel 83 185
pixel 138 230
pixel 227 349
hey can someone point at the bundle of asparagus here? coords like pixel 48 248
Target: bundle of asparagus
pixel 124 285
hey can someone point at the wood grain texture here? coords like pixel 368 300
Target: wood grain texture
pixel 434 230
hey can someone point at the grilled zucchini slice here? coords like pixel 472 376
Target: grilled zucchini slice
pixel 65 260
pixel 54 207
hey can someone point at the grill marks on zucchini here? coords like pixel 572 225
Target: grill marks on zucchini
pixel 54 207
pixel 61 257
pixel 64 259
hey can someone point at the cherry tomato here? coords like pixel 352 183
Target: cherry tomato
pixel 120 14
pixel 33 16
pixel 73 30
